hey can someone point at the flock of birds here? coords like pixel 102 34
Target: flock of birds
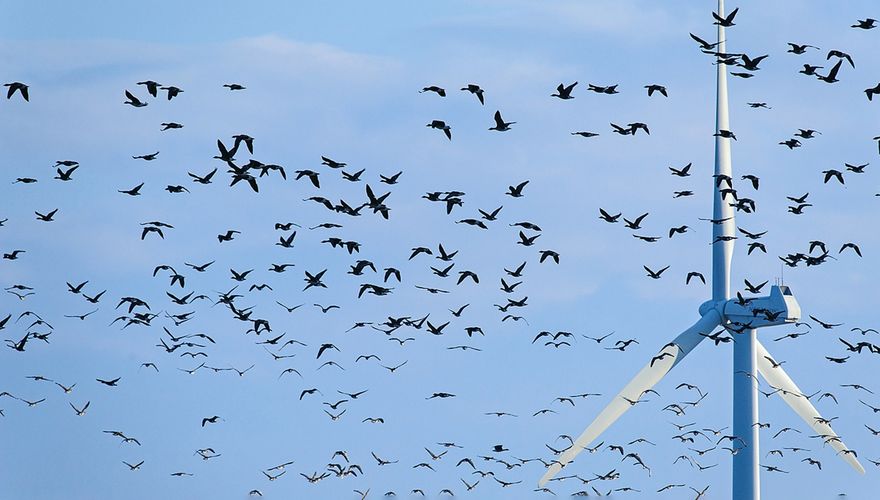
pixel 171 314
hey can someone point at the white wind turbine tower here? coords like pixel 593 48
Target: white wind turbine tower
pixel 749 355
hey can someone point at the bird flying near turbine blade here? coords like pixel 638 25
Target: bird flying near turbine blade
pixel 669 356
pixel 792 395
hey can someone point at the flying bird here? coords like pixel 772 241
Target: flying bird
pixel 866 24
pixel 17 87
pixel 656 88
pixel 655 274
pixel 727 21
pixel 134 101
pixel 500 124
pixel 476 90
pixel 441 125
pixel 562 91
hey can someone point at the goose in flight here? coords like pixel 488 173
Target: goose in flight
pixel 725 22
pixel 704 45
pixel 134 101
pixel 516 191
pixel 842 55
pixel 172 91
pixel 441 125
pixel 656 88
pixel 500 124
pixel 17 86
pixel 433 88
pixel 80 412
pixel 152 87
pixel 800 49
pixel 655 274
pixel 867 24
pixel 564 91
pixel 476 90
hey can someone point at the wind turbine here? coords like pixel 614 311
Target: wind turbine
pixel 739 316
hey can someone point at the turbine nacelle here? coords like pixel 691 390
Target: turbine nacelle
pixel 778 308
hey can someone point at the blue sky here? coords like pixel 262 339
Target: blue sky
pixel 342 80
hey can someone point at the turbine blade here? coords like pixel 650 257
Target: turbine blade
pixel 793 396
pixel 669 356
pixel 722 249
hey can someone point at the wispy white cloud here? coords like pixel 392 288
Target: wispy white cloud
pixel 626 22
